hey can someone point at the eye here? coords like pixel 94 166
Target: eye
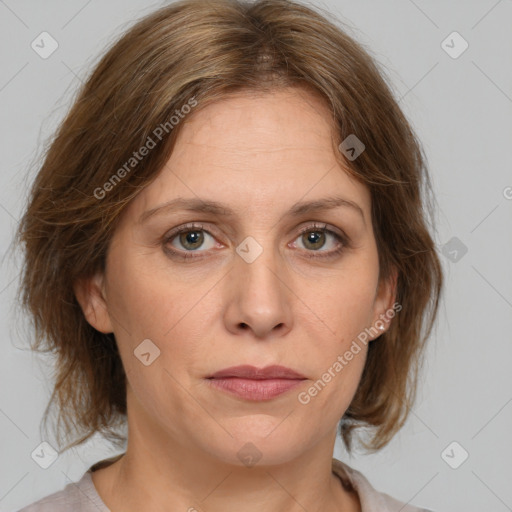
pixel 190 237
pixel 314 238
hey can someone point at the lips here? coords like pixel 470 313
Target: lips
pixel 256 384
pixel 251 372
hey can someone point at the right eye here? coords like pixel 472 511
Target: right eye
pixel 191 237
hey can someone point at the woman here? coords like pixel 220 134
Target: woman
pixel 226 247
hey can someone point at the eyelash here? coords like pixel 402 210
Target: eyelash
pixel 342 239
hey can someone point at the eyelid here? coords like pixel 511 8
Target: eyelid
pixel 322 226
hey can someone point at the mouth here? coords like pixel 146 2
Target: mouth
pixel 257 384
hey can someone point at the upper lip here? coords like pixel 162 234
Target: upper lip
pixel 251 372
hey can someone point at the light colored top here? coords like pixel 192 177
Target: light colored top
pixel 82 496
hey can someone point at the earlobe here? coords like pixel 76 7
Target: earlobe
pixel 90 294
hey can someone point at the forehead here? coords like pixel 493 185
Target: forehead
pixel 256 120
pixel 263 149
pixel 255 124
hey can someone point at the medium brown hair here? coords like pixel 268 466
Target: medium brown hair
pixel 205 50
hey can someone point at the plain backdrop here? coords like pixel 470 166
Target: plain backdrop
pixel 460 104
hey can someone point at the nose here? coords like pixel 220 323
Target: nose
pixel 259 294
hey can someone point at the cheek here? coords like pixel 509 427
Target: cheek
pixel 147 308
pixel 342 305
pixel 151 304
pixel 139 292
pixel 341 309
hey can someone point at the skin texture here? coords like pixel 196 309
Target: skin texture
pixel 259 155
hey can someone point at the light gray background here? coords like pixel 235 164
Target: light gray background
pixel 461 109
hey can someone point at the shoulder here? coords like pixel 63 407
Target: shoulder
pixel 76 496
pixel 370 498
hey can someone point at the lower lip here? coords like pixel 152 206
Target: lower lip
pixel 251 389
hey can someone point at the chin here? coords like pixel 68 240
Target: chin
pixel 250 445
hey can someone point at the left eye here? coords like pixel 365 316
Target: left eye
pixel 315 238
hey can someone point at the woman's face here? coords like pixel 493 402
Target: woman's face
pixel 242 285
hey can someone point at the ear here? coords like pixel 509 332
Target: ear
pixel 90 294
pixel 384 300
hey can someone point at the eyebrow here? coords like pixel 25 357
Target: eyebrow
pixel 213 207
